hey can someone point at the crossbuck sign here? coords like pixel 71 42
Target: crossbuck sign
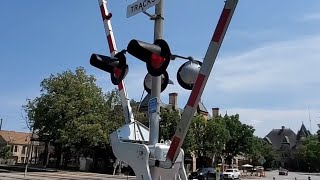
pixel 140 6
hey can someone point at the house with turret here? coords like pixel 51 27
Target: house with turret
pixel 285 143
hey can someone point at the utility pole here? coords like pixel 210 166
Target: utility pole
pixel 156 80
pixel 310 120
pixel 1 124
pixel 29 153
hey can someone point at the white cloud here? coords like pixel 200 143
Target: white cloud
pixel 281 65
pixel 268 86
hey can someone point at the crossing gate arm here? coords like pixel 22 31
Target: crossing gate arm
pixel 106 17
pixel 205 70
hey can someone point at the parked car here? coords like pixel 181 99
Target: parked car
pixel 208 173
pixel 258 168
pixel 231 174
pixel 283 171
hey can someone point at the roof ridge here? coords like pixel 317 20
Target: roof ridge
pixel 15 131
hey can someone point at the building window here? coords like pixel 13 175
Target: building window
pixel 14 149
pixel 24 149
pixel 22 159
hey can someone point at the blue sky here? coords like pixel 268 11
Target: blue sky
pixel 267 69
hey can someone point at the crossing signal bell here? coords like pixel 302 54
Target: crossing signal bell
pixel 156 55
pixel 116 66
pixel 188 73
pixel 147 83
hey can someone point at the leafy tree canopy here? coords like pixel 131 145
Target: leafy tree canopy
pixel 309 154
pixel 261 149
pixel 5 152
pixel 217 135
pixel 241 137
pixel 204 137
pixel 72 110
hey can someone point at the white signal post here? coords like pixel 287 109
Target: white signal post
pixel 156 80
pixel 201 81
pixel 106 17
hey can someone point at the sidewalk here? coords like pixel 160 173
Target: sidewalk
pixel 21 168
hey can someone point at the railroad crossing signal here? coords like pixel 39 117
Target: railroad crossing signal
pixel 116 66
pixel 156 55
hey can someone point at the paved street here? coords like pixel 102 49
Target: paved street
pixel 94 176
pixel 59 175
pixel 291 176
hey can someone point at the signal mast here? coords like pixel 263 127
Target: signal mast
pixel 134 143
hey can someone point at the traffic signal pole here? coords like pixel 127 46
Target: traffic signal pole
pixel 154 123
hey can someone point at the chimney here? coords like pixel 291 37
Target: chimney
pixel 173 100
pixel 215 112
pixel 281 130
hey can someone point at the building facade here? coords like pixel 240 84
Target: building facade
pixel 20 143
pixel 285 143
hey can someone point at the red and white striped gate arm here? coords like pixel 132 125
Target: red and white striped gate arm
pixel 106 16
pixel 201 81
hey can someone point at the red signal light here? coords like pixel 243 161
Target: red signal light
pixel 156 55
pixel 156 61
pixel 116 66
pixel 117 72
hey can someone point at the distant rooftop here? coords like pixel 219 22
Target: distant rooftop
pixel 278 137
pixel 13 137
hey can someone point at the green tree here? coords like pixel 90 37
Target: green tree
pixel 197 136
pixel 241 137
pixel 216 135
pixel 168 123
pixel 5 152
pixel 140 116
pixel 261 149
pixel 206 138
pixel 309 154
pixel 72 111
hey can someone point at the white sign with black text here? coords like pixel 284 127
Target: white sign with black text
pixel 140 6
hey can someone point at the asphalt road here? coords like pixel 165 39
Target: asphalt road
pixel 94 176
pixel 291 176
pixel 59 176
